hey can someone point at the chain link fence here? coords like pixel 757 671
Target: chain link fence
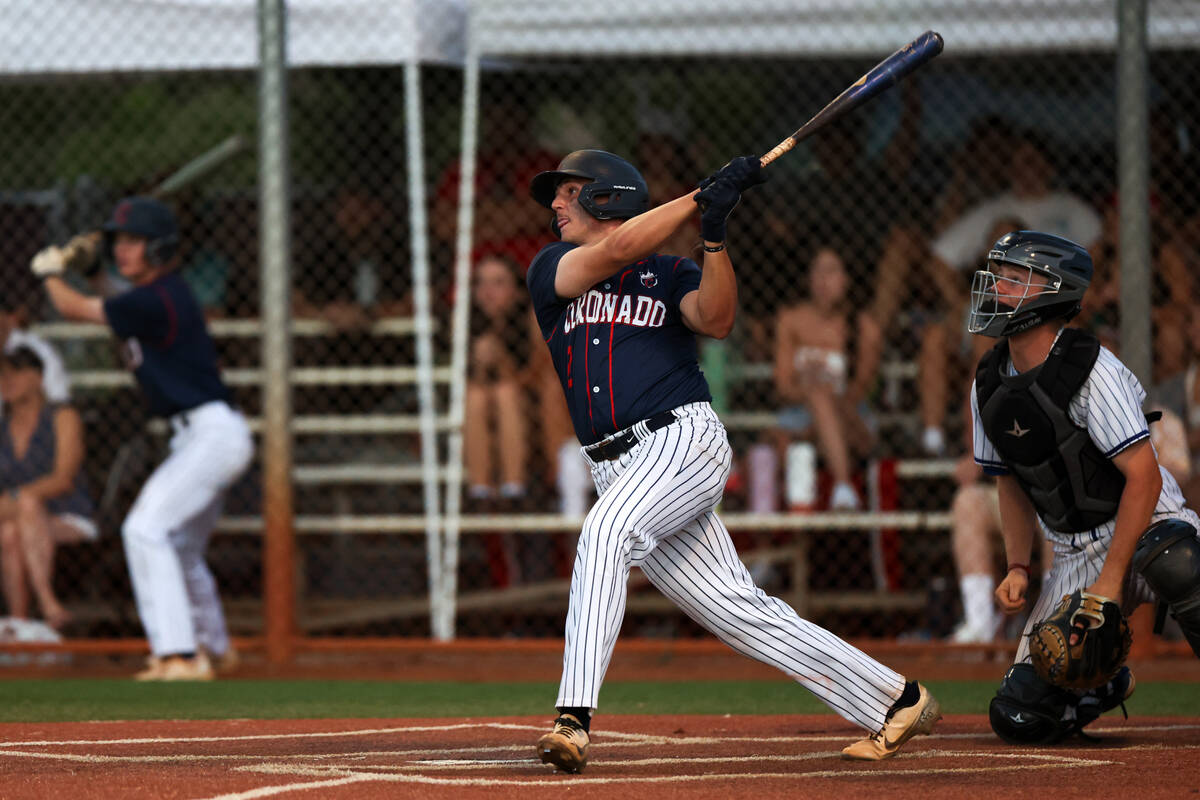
pixel 842 384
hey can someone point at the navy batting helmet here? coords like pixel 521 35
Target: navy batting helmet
pixel 1063 269
pixel 149 218
pixel 610 176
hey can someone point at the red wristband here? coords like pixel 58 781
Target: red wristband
pixel 1023 567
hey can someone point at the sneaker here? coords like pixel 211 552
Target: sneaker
pixel 933 441
pixel 844 498
pixel 901 725
pixel 177 668
pixel 566 746
pixel 226 662
pixel 965 633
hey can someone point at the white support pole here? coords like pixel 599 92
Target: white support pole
pixel 459 332
pixel 415 147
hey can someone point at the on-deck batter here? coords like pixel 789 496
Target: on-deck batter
pixel 1058 418
pixel 621 324
pixel 167 345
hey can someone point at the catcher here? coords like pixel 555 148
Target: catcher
pixel 1058 419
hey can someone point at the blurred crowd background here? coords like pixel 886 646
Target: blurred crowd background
pixel 842 384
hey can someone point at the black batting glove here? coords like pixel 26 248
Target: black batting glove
pixel 744 171
pixel 717 201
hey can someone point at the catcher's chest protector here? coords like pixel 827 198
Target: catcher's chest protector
pixel 1070 482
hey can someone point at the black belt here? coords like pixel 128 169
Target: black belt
pixel 622 443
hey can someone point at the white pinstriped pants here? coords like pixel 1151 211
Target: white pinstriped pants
pixel 167 530
pixel 656 511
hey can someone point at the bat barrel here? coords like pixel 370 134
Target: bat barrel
pixel 884 75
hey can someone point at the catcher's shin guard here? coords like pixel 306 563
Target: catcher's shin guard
pixel 1168 557
pixel 1028 710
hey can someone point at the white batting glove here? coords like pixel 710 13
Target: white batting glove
pixel 48 261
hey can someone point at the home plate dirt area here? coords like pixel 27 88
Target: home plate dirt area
pixel 631 756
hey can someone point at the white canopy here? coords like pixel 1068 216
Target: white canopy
pixel 74 36
pixel 816 27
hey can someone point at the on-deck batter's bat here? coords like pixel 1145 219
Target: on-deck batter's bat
pixel 201 165
pixel 83 250
pixel 884 75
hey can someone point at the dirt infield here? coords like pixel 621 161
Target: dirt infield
pixel 671 757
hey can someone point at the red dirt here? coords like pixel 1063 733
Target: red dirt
pixel 541 660
pixel 668 756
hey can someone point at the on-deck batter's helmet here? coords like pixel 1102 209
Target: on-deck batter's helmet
pixel 610 177
pixel 147 217
pixel 1065 266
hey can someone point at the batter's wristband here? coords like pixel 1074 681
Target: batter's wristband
pixel 1023 567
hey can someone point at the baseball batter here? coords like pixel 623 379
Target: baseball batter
pixel 621 324
pixel 1058 418
pixel 167 345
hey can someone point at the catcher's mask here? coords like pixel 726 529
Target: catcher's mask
pixel 149 218
pixel 1030 278
pixel 616 190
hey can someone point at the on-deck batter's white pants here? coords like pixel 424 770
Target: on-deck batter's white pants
pixel 167 530
pixel 656 511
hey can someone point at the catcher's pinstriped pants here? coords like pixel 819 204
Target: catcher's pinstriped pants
pixel 656 511
pixel 1077 563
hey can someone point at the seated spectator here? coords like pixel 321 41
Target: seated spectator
pixel 566 468
pixel 1171 291
pixel 496 439
pixel 975 529
pixel 1180 395
pixel 947 351
pixel 1030 197
pixel 816 342
pixel 13 320
pixel 361 271
pixel 44 501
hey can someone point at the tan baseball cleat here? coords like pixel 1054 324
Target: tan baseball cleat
pixel 176 668
pixel 566 746
pixel 901 725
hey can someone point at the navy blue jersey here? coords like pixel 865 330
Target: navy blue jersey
pixel 621 350
pixel 167 345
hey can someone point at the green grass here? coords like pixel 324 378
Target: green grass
pixel 78 699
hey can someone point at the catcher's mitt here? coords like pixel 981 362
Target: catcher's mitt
pixel 1102 647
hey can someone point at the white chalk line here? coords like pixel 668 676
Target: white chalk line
pixel 608 737
pixel 357 777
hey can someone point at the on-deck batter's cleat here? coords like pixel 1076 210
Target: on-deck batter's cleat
pixel 177 668
pixel 901 725
pixel 224 663
pixel 566 746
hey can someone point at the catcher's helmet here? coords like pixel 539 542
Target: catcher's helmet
pixel 145 216
pixel 1066 266
pixel 1027 710
pixel 611 176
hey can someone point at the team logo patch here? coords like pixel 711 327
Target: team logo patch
pixel 649 279
pixel 1017 430
pixel 121 215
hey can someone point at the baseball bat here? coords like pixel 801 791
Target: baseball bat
pixel 82 251
pixel 201 165
pixel 884 75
